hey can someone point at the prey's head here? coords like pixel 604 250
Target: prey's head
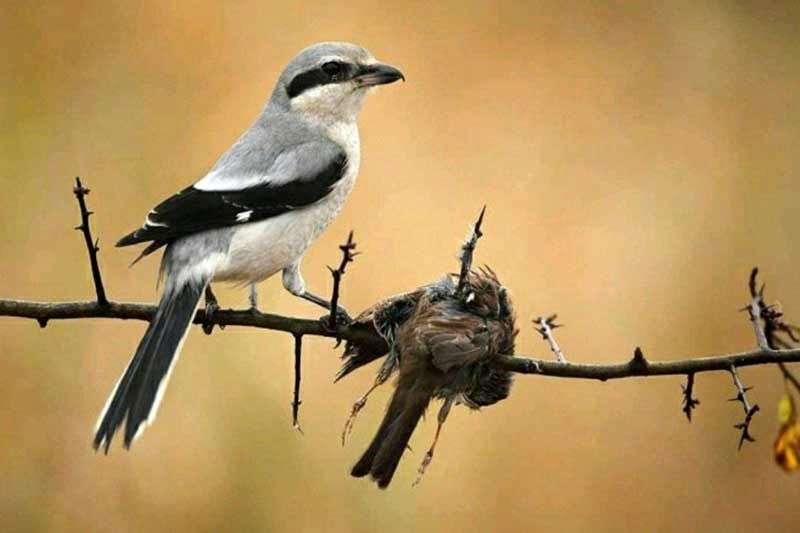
pixel 328 81
pixel 484 296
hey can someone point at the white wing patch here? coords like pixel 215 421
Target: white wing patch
pixel 244 216
pixel 282 170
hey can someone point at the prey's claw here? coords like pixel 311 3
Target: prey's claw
pixel 351 420
pixel 421 470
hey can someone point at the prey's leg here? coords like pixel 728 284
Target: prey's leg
pixel 212 306
pixel 443 412
pixel 387 369
pixel 351 420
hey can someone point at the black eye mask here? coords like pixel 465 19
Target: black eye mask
pixel 329 72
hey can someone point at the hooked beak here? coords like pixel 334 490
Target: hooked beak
pixel 378 74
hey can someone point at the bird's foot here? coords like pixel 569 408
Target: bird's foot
pixel 208 323
pixel 342 318
pixel 210 310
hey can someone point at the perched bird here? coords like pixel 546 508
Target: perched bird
pixel 254 214
pixel 442 339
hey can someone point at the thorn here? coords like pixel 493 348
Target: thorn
pixel 42 322
pixel 480 221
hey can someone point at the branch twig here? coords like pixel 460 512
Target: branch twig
pixel 92 246
pixel 749 411
pixel 690 403
pixel 467 251
pixel 298 354
pixel 348 253
pixel 680 367
pixel 545 327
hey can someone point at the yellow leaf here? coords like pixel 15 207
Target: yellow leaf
pixel 786 410
pixel 787 447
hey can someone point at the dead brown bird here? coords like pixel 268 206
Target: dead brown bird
pixel 442 340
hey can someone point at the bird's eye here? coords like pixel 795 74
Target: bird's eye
pixel 332 68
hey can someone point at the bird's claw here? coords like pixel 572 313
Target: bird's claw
pixel 210 310
pixel 342 318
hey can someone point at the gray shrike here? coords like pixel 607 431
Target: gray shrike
pixel 255 213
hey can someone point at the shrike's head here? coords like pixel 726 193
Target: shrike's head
pixel 328 81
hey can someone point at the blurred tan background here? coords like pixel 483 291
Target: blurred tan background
pixel 637 161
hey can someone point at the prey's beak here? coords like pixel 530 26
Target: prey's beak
pixel 378 74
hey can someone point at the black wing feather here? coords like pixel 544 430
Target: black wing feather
pixel 194 210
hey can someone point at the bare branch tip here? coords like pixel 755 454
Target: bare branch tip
pixel 298 353
pixel 690 403
pixel 91 244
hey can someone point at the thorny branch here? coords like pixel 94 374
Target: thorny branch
pixel 348 253
pixel 771 333
pixel 749 411
pixel 690 403
pixel 92 246
pixel 298 354
pixel 775 338
pixel 757 310
pixel 468 250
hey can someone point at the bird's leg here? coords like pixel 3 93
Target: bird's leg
pixel 443 412
pixel 351 420
pixel 294 283
pixel 211 308
pixel 253 298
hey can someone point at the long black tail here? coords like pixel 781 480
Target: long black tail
pixel 381 458
pixel 140 389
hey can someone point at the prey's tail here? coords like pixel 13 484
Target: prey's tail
pixel 381 458
pixel 140 389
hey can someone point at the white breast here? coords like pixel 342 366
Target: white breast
pixel 260 249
